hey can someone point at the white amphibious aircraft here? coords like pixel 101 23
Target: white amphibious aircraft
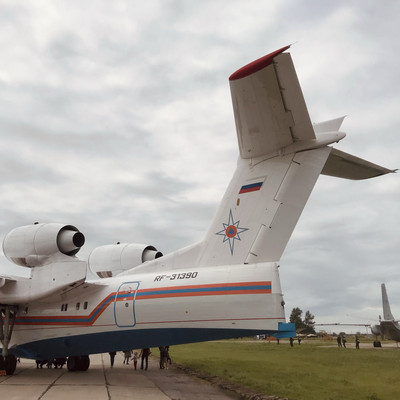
pixel 225 286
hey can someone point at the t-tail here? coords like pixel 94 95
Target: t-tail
pixel 281 156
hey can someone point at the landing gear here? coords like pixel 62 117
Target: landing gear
pixel 78 363
pixel 8 362
pixel 377 342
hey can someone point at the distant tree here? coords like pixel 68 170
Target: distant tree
pixel 295 317
pixel 309 322
pixel 303 326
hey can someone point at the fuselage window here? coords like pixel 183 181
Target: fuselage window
pixel 85 304
pixel 78 305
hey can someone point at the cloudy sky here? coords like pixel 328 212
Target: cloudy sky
pixel 116 117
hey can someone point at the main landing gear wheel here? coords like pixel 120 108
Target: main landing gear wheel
pixel 78 363
pixel 8 364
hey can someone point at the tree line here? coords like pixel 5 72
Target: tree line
pixel 305 325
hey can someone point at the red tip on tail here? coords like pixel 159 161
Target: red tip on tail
pixel 256 65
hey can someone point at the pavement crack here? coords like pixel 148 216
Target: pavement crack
pixel 50 386
pixel 105 378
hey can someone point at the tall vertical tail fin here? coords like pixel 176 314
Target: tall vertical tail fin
pixel 387 313
pixel 261 207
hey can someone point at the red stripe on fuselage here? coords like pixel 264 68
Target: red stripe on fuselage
pixel 90 319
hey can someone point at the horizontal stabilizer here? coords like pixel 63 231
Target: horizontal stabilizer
pixel 344 165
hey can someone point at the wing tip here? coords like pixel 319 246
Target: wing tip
pixel 257 65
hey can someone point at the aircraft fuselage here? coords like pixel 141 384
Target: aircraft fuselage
pixel 145 310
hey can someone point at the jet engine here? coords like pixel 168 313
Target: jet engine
pixel 112 259
pixel 32 245
pixel 376 330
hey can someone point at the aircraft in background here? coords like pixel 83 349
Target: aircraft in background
pixel 225 286
pixel 388 327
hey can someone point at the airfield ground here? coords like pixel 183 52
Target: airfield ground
pixel 101 382
pixel 316 369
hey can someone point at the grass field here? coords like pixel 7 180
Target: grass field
pixel 314 370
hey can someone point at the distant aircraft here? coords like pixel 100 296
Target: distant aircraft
pixel 225 286
pixel 388 327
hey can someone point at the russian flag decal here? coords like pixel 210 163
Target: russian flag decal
pixel 252 187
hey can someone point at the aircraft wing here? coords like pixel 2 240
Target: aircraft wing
pixel 44 281
pixel 6 278
pixel 22 274
pixel 269 107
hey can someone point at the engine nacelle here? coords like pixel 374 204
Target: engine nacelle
pixel 31 245
pixel 112 259
pixel 376 330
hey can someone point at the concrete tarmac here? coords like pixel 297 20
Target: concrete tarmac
pixel 101 382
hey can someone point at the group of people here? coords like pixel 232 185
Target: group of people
pixel 341 341
pixel 56 362
pixel 131 355
pixel 291 340
pixel 128 356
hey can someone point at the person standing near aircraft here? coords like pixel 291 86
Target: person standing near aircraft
pixel 144 354
pixel 112 357
pixel 339 341
pixel 164 357
pixel 161 348
pixel 357 343
pixel 344 341
pixel 168 356
pixel 135 358
pixel 127 356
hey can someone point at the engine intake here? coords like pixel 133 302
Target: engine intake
pixel 112 259
pixel 30 245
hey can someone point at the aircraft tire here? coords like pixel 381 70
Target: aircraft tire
pixel 72 364
pixel 78 363
pixel 83 363
pixel 10 364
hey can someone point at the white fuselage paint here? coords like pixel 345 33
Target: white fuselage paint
pixel 240 297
